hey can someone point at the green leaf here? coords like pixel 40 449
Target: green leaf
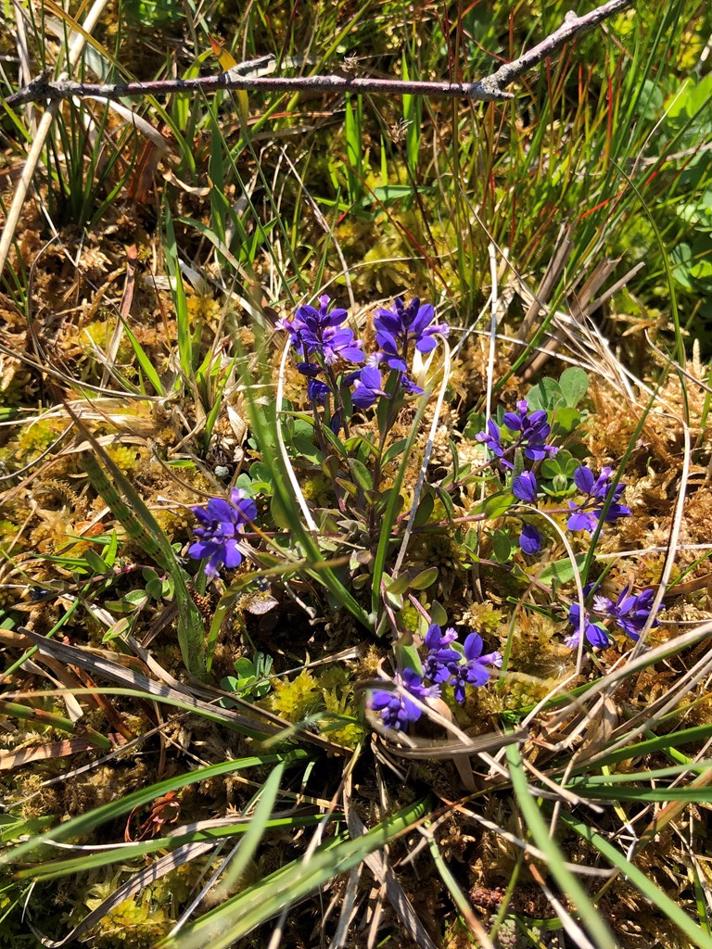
pixel 361 474
pixel 95 562
pixel 555 862
pixel 501 546
pixel 561 571
pixel 409 657
pixel 154 588
pixel 128 507
pixel 423 580
pixel 397 448
pixel 497 504
pixel 546 395
pixel 573 383
pixel 256 829
pixel 425 509
pixel 566 418
pixel 144 362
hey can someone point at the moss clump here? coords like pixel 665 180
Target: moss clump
pixel 338 696
pixel 136 922
pixel 296 698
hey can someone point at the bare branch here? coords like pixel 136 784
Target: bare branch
pixel 491 88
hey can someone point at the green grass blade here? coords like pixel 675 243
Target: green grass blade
pixel 256 830
pixel 238 916
pixel 539 830
pixel 389 515
pixel 85 823
pixel 73 865
pixel 657 897
pixel 185 340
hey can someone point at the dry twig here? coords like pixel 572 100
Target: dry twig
pixel 491 88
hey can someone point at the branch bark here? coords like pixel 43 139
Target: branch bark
pixel 491 88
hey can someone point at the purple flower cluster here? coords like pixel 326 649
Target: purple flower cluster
pixel 221 522
pixel 320 332
pixel 396 707
pixel 443 665
pixel 630 612
pixel 403 326
pixel 322 341
pixel 524 487
pixel 527 431
pixel 586 514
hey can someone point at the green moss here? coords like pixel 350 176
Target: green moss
pixel 294 699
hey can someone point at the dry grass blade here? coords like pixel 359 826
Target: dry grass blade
pixel 76 48
pixel 54 749
pixel 133 885
pixel 106 668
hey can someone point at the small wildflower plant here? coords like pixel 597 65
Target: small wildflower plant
pixel 347 418
pixel 361 499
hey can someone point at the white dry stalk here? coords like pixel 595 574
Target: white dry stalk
pixel 204 890
pixel 76 47
pixel 577 579
pixel 528 847
pixel 291 474
pixel 672 545
pixel 572 928
pixel 426 461
pixel 641 662
pixel 699 671
pixel 323 223
pixel 348 908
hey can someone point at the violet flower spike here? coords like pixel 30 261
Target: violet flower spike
pixel 492 438
pixel 317 391
pixel 441 659
pixel 530 540
pixel 367 387
pixel 405 324
pixel 524 487
pixel 586 515
pixel 594 634
pixel 396 709
pixel 320 332
pixel 631 612
pixel 221 521
pixel 476 669
pixel 532 430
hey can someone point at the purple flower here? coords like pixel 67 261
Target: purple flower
pixel 221 521
pixel 586 515
pixel 492 438
pixel 320 331
pixel 396 708
pixel 524 487
pixel 408 385
pixel 404 324
pixel 476 669
pixel 440 658
pixel 629 612
pixel 317 391
pixel 594 634
pixel 530 539
pixel 367 386
pixel 531 429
